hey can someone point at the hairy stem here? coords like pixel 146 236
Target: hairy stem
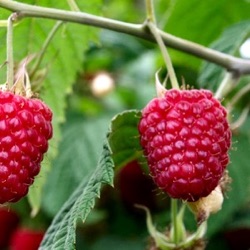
pixel 231 63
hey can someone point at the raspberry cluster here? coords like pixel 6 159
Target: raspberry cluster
pixel 25 128
pixel 185 136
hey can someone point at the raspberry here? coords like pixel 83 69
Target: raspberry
pixel 136 187
pixel 26 239
pixel 9 221
pixel 185 137
pixel 25 128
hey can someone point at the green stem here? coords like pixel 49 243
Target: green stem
pixel 231 63
pixel 150 11
pixel 45 46
pixel 73 6
pixel 243 91
pixel 10 58
pixel 3 23
pixel 153 29
pixel 229 81
pixel 174 212
pixel 243 116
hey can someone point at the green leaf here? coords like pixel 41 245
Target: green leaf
pixel 78 153
pixel 124 138
pixel 229 42
pixel 61 233
pixel 63 59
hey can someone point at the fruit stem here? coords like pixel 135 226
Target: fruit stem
pixel 241 119
pixel 155 32
pixel 9 51
pixel 3 23
pixel 151 24
pixel 45 46
pixel 174 211
pixel 150 11
pixel 73 6
pixel 229 81
pixel 243 91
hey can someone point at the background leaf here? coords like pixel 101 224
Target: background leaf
pixel 229 42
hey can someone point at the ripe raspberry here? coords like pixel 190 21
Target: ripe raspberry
pixel 26 239
pixel 25 128
pixel 186 137
pixel 9 221
pixel 136 187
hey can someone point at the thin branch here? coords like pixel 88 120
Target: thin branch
pixel 231 63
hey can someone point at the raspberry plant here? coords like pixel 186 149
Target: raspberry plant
pixel 47 50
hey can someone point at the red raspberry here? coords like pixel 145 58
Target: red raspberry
pixel 26 239
pixel 25 128
pixel 9 221
pixel 186 137
pixel 136 187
